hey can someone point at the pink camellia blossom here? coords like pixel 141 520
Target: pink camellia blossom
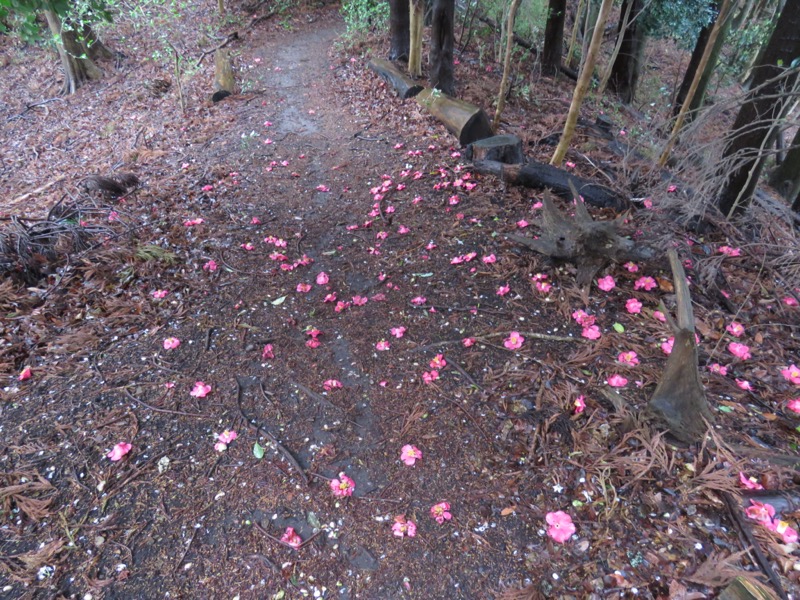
pixel 343 486
pixel 789 534
pixel 418 301
pixel 728 251
pixel 220 446
pixel 632 267
pixel 255 221
pixel 491 258
pixel 303 288
pixel 760 511
pixel 794 405
pixel 193 222
pixel 382 345
pixel 402 230
pixel 438 362
pixel 792 373
pixel 313 343
pixel 247 246
pixel 323 188
pixel 667 346
pixel 633 306
pixel 739 350
pixel 503 290
pixel 429 377
pixel 569 164
pixel 583 318
pixel 210 266
pixel 330 297
pixel 410 454
pixel 790 301
pixel 322 278
pixel 159 294
pixel 171 343
pixel 227 436
pixel 735 329
pixel 606 283
pixel 200 390
pixel 468 342
pixel 591 333
pixel 659 316
pixel 744 384
pixel 441 512
pixel 579 404
pixel 268 352
pixel 398 332
pixel 617 381
pixel 26 373
pixel 645 283
pixel 513 341
pixel 360 300
pixel 118 451
pixel 341 306
pixel 718 369
pixel 648 203
pixel 403 527
pixel 561 526
pixel 543 286
pixel 291 538
pixel 628 358
pixel 750 483
pixel 522 223
pixel 331 384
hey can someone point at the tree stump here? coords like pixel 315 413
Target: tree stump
pixel 469 123
pixel 224 81
pixel 402 84
pixel 506 149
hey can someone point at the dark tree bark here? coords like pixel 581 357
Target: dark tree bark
pixel 754 123
pixel 399 29
pixel 710 70
pixel 786 177
pixel 78 68
pixel 691 69
pixel 553 36
pixel 442 44
pixel 627 66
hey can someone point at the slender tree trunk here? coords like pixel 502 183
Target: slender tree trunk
pixel 625 20
pixel 755 122
pixel 592 8
pixel 786 177
pixel 553 36
pixel 501 95
pixel 416 11
pixel 583 84
pixel 690 94
pixel 399 29
pixel 77 68
pixel 697 101
pixel 627 66
pixel 442 44
pixel 691 69
pixel 575 27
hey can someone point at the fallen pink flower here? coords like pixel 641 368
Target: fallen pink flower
pixel 744 384
pixel 659 316
pixel 514 341
pixel 789 534
pixel 633 306
pixel 645 283
pixel 794 405
pixel 579 404
pixel 313 343
pixel 303 287
pixel 739 350
pixel 491 258
pixel 591 333
pixel 323 188
pixel 468 342
pixel 171 343
pixel 247 246
pixel 790 301
pixel 360 300
pixel 718 369
pixel 728 251
pixel 750 483
pixel 410 454
pixel 632 267
pixel 583 318
pixel 569 164
pixel 331 384
pixel 402 527
pixel 118 451
pixel 291 538
pixel 792 374
pixel 561 526
pixel 441 512
pixel 192 222
pixel 760 511
pixel 438 362
pixel 735 329
pixel 522 223
pixel 430 377
pixel 26 373
pixel 200 390
pixel 343 486
pixel 382 345
pixel 210 266
pixel 503 290
pixel 606 283
pixel 159 294
pixel 330 297
pixel 398 332
pixel 267 353
pixel 322 278
pixel 628 358
pixel 667 346
pixel 543 286
pixel 418 301
pixel 227 436
pixel 617 381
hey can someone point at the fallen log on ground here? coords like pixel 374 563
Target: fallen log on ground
pixel 469 123
pixel 542 176
pixel 506 149
pixel 402 83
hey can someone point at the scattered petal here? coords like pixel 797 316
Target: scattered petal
pixel 267 353
pixel 118 451
pixel 617 381
pixel 402 527
pixel 200 390
pixel 645 283
pixel 592 332
pixel 792 374
pixel 171 343
pixel 628 358
pixel 410 454
pixel 291 538
pixel 26 373
pixel 579 404
pixel 750 483
pixel 739 350
pixel 735 329
pixel 322 278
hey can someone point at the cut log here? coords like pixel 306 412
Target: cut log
pixel 224 81
pixel 542 176
pixel 506 149
pixel 402 83
pixel 466 121
pixel 746 589
pixel 587 243
pixel 679 402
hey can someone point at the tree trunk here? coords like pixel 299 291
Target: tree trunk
pixel 95 49
pixel 625 20
pixel 627 66
pixel 582 85
pixel 786 178
pixel 575 27
pixel 553 37
pixel 691 69
pixel 592 10
pixel 501 95
pixel 696 103
pixel 77 70
pixel 417 13
pixel 744 155
pixel 442 44
pixel 399 29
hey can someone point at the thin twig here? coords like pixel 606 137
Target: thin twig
pixel 163 410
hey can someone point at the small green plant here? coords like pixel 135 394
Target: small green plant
pixel 364 15
pixel 151 252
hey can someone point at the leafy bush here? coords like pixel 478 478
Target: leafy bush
pixel 364 15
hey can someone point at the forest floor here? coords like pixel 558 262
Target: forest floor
pixel 334 328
